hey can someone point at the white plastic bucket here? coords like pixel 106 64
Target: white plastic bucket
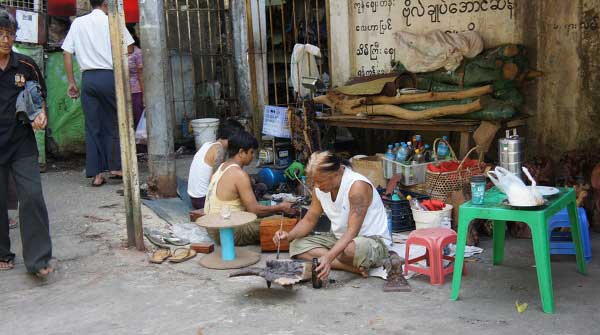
pixel 430 219
pixel 205 130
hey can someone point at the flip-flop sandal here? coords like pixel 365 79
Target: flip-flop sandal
pixel 39 274
pixel 12 224
pixel 176 241
pixel 116 177
pixel 11 265
pixel 98 185
pixel 160 255
pixel 181 255
pixel 155 238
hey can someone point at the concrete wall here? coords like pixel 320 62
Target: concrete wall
pixel 361 24
pixel 562 37
pixel 567 98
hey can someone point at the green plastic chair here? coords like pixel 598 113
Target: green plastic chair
pixel 537 220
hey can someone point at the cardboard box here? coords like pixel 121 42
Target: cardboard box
pixel 372 168
pixel 269 226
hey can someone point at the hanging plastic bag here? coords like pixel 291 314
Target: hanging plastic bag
pixel 515 189
pixel 141 135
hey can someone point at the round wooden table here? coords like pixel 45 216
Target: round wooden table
pixel 229 257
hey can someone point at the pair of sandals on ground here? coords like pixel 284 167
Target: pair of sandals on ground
pixel 162 241
pixel 178 255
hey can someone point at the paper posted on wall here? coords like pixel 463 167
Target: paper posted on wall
pixel 28 26
pixel 275 122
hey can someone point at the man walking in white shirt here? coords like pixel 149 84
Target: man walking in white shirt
pixel 89 40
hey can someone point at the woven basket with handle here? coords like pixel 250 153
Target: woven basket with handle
pixel 441 184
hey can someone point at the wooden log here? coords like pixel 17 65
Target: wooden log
pixel 405 114
pixel 510 71
pixel 510 50
pixel 353 106
pixel 431 96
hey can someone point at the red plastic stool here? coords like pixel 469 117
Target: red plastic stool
pixel 434 240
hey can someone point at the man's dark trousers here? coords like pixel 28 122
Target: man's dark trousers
pixel 33 215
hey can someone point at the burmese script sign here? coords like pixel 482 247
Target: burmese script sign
pixel 373 24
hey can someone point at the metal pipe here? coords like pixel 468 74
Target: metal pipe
pixel 273 55
pixel 319 35
pixel 210 44
pixel 306 14
pixel 287 84
pixel 202 72
pixel 294 18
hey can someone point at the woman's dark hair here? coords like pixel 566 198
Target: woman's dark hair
pixel 228 128
pixel 324 162
pixel 8 21
pixel 131 29
pixel 241 140
pixel 96 3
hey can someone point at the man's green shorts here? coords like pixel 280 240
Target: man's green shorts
pixel 370 251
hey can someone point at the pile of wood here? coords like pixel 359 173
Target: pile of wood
pixel 485 88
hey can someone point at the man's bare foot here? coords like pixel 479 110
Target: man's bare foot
pixel 117 173
pixel 363 272
pixel 98 181
pixel 6 265
pixel 43 273
pixel 12 223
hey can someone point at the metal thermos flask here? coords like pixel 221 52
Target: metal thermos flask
pixel 511 152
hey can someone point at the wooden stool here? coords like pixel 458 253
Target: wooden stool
pixel 229 257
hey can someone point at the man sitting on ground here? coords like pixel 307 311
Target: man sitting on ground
pixel 358 220
pixel 230 187
pixel 207 159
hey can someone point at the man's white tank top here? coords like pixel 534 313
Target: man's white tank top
pixel 375 223
pixel 200 172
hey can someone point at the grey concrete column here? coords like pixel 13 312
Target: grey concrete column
pixel 158 95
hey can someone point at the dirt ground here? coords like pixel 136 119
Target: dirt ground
pixel 101 287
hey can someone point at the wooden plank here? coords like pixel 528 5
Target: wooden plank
pixel 465 143
pixel 131 188
pixel 390 123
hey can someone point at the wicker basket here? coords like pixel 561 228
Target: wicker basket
pixel 441 184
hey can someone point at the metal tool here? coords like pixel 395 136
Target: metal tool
pixel 278 240
pixel 303 185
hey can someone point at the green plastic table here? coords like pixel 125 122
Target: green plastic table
pixel 537 220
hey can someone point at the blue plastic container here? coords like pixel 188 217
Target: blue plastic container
pixel 271 177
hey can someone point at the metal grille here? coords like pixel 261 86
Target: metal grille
pixel 290 22
pixel 199 32
pixel 37 6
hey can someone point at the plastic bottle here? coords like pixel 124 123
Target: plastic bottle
pixel 442 148
pixel 396 148
pixel 427 154
pixel 446 222
pixel 419 158
pixel 418 142
pixel 402 154
pixel 415 204
pixel 389 166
